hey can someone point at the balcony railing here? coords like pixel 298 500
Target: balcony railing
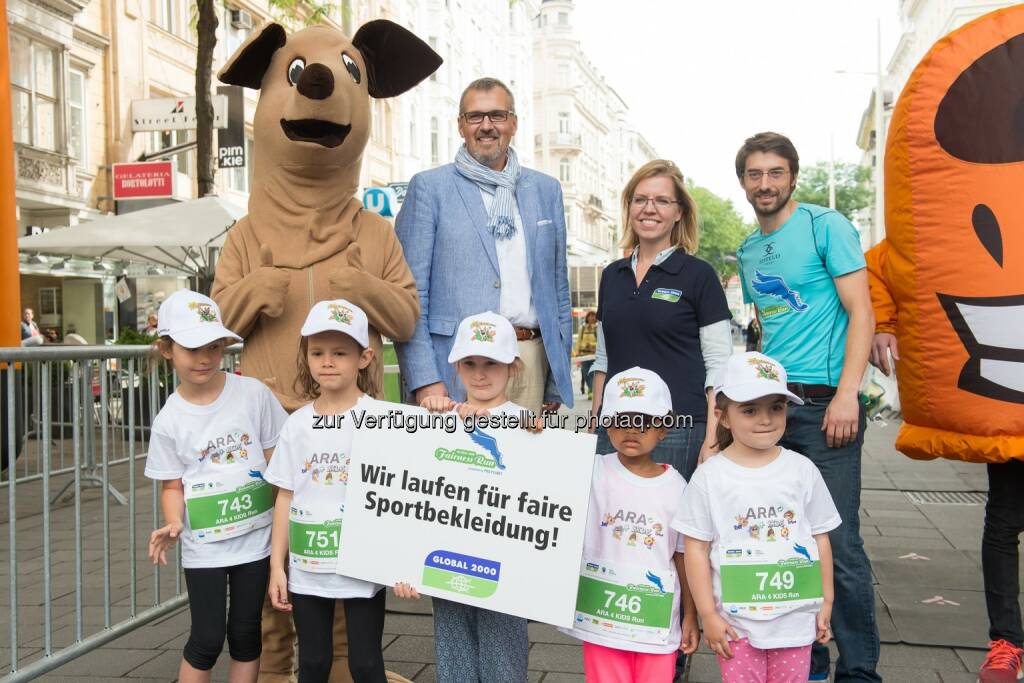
pixel 561 140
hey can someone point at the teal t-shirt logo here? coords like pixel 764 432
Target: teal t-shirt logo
pixel 775 286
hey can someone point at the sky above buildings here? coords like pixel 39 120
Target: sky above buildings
pixel 699 76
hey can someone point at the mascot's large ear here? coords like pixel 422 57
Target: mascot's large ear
pixel 396 60
pixel 247 66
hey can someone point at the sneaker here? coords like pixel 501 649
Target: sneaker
pixel 818 676
pixel 1002 665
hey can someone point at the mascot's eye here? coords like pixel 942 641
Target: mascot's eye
pixel 353 68
pixel 295 70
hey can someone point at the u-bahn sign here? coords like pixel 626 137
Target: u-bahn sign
pixel 380 200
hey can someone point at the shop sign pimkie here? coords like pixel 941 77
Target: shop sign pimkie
pixel 144 180
pixel 174 113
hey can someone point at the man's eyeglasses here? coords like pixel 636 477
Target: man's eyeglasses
pixel 496 116
pixel 640 202
pixel 774 174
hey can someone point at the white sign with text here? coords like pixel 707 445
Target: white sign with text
pixel 492 517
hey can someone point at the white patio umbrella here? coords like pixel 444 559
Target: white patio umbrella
pixel 177 236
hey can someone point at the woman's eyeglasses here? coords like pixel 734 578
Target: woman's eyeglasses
pixel 640 202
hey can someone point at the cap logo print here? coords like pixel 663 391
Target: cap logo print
pixel 206 314
pixel 632 387
pixel 765 370
pixel 483 331
pixel 340 314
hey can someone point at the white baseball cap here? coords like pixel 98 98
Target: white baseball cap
pixel 752 375
pixel 485 334
pixel 636 391
pixel 192 320
pixel 338 315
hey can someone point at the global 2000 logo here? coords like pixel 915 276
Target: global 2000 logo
pixel 464 574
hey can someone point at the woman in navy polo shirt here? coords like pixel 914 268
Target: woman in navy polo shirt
pixel 663 309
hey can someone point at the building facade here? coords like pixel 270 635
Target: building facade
pixel 77 66
pixel 922 23
pixel 585 140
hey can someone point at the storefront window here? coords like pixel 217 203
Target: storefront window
pixel 150 292
pixel 171 138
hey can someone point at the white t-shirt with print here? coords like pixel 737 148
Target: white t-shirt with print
pixel 728 505
pixel 194 442
pixel 508 408
pixel 629 523
pixel 295 468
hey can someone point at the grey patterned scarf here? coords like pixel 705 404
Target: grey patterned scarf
pixel 501 222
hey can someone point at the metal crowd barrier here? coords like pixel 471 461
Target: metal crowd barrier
pixel 75 422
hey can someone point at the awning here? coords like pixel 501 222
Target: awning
pixel 176 236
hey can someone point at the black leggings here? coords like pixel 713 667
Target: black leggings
pixel 314 625
pixel 208 602
pixel 1000 553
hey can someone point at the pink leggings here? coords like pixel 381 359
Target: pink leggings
pixel 753 665
pixel 608 665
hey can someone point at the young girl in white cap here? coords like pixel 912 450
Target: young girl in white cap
pixel 475 644
pixel 311 470
pixel 756 519
pixel 632 589
pixel 209 446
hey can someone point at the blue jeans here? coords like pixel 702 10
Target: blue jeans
pixel 588 379
pixel 680 448
pixel 853 615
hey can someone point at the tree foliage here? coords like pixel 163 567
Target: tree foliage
pixel 721 231
pixel 853 191
pixel 297 13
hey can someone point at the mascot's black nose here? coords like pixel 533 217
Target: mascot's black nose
pixel 316 82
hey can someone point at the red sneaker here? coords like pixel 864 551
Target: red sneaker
pixel 1002 665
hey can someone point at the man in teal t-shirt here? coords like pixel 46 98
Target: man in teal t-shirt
pixel 804 271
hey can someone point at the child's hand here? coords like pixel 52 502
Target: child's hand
pixel 691 635
pixel 437 404
pixel 706 451
pixel 277 590
pixel 404 590
pixel 162 539
pixel 467 411
pixel 824 623
pixel 718 633
pixel 533 424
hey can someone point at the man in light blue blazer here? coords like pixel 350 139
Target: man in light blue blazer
pixel 483 234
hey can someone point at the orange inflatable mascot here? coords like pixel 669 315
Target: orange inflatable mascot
pixel 947 286
pixel 948 281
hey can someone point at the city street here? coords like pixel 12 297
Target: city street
pixel 224 225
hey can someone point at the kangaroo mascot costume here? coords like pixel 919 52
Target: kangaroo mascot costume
pixel 306 237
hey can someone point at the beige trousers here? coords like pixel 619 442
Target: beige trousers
pixel 527 388
pixel 277 663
